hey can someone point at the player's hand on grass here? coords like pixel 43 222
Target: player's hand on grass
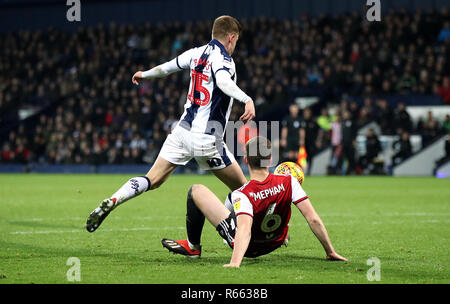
pixel 249 113
pixel 137 77
pixel 336 257
pixel 231 265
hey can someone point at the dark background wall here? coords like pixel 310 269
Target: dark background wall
pixel 29 14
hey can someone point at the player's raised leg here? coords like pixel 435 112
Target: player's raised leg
pixel 160 172
pixel 232 176
pixel 135 186
pixel 201 203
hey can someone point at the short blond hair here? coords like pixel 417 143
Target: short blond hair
pixel 225 25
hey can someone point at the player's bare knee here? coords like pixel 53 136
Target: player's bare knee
pixel 194 189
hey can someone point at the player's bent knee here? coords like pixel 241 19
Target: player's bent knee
pixel 195 189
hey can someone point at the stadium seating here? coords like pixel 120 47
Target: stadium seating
pixel 67 98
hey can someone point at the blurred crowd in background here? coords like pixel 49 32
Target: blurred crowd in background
pixel 93 114
pixel 338 127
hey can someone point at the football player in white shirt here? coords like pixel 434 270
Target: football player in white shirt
pixel 199 133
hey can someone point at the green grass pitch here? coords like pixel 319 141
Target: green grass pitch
pixel 404 222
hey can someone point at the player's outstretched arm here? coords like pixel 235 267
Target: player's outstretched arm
pixel 177 64
pixel 319 230
pixel 159 71
pixel 241 240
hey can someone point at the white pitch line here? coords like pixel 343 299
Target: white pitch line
pixel 351 222
pixel 167 217
pixel 104 230
pixel 390 214
pixel 154 217
pixel 429 221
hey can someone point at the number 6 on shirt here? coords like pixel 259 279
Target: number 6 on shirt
pixel 276 221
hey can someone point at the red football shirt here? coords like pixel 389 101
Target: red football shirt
pixel 269 203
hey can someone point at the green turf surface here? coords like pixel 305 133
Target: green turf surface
pixel 404 222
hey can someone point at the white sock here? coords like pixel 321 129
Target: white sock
pixel 131 188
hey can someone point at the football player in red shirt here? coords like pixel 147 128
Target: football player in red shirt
pixel 256 221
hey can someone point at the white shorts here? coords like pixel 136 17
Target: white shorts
pixel 181 146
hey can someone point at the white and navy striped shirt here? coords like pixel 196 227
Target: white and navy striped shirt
pixel 207 107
